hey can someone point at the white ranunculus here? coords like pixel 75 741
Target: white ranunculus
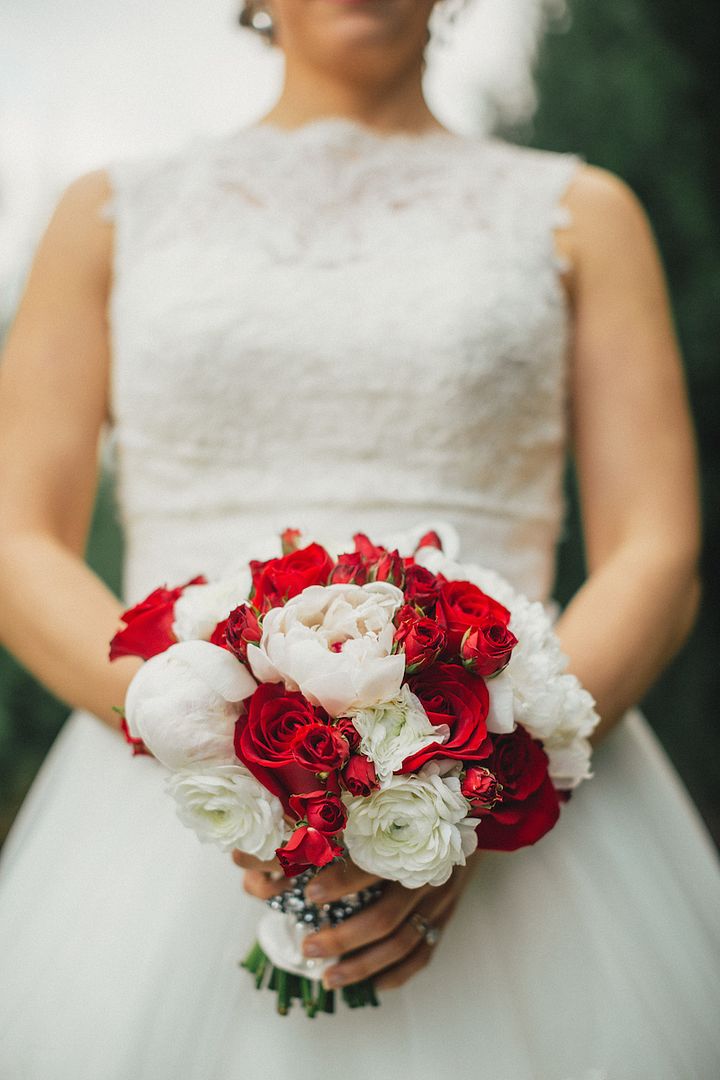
pixel 225 805
pixel 414 830
pixel 201 607
pixel 183 703
pixel 394 730
pixel 334 643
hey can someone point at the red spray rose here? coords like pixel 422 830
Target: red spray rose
pixel 307 847
pixel 148 625
pixel 487 648
pixel 348 731
pixel 240 629
pixel 320 748
pixel 359 776
pixel 277 580
pixel 422 639
pixel 481 789
pixel 380 564
pixel 465 606
pixel 350 570
pixel 530 805
pixel 323 810
pixel 421 586
pixel 453 696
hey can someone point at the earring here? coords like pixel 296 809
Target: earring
pixel 255 15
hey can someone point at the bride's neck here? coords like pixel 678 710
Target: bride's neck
pixel 388 104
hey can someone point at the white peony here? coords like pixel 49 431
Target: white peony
pixel 414 830
pixel 201 607
pixel 394 730
pixel 334 643
pixel 183 703
pixel 227 806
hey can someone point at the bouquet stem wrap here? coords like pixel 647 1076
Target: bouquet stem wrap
pixel 276 960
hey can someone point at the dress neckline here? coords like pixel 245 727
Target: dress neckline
pixel 320 128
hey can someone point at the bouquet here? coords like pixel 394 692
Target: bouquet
pixel 381 702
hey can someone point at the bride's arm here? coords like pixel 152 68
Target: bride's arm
pixel 634 450
pixel 56 616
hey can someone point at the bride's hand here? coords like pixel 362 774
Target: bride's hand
pixel 382 942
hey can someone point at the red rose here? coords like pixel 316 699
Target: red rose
pixel 148 629
pixel 350 570
pixel 530 805
pixel 359 776
pixel 453 696
pixel 323 810
pixel 466 606
pixel 487 648
pixel 481 789
pixel 276 580
pixel 307 847
pixel 320 748
pixel 421 638
pixel 265 736
pixel 421 586
pixel 348 731
pixel 240 629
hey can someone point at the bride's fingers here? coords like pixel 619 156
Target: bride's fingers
pixel 338 880
pixel 396 949
pixel 375 922
pixel 390 976
pixel 249 862
pixel 257 883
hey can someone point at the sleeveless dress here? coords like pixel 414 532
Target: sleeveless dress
pixel 335 330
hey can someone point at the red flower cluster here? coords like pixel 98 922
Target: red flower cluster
pixel 454 638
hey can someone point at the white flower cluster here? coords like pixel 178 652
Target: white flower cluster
pixel 183 704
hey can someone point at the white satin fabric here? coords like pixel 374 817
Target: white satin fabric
pixel 334 329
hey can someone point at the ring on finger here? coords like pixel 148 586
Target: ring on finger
pixel 430 933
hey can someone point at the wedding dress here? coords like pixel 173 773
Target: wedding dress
pixel 333 329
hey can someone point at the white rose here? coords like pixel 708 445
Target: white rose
pixel 183 703
pixel 225 805
pixel 394 730
pixel 201 607
pixel 334 643
pixel 414 830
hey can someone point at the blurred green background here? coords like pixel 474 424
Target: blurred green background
pixel 632 85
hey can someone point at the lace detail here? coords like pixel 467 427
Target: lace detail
pixel 331 326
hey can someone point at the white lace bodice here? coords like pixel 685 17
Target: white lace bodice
pixel 335 329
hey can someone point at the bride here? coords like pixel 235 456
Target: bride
pixel 347 317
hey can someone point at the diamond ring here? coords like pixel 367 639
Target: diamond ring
pixel 430 933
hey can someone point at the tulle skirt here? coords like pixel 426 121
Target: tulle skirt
pixel 593 956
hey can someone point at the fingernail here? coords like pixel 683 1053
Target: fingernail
pixel 311 948
pixel 315 892
pixel 334 979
